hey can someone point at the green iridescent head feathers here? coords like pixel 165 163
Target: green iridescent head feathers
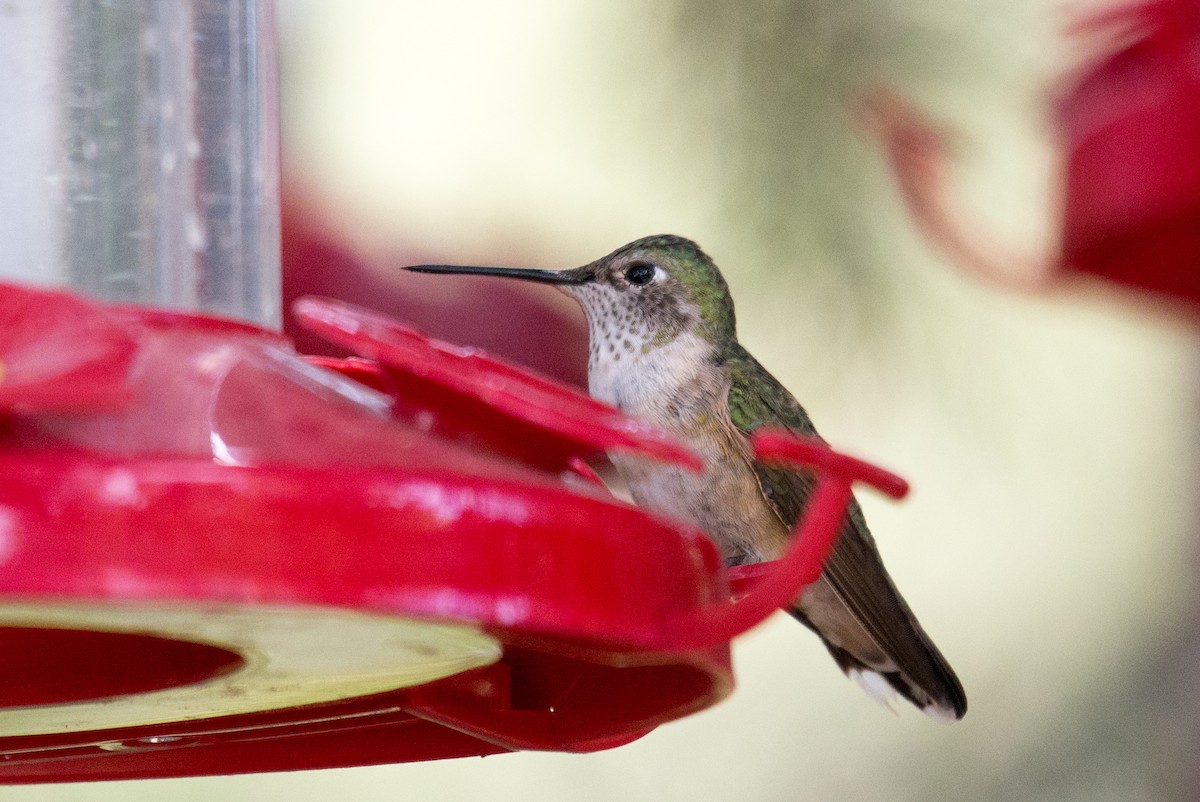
pixel 691 276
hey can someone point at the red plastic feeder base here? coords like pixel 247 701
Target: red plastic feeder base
pixel 216 557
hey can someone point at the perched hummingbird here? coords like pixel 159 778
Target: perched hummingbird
pixel 663 347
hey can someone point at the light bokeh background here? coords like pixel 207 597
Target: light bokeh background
pixel 1049 545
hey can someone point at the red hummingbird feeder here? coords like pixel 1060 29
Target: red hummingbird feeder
pixel 1129 125
pixel 220 558
pixel 1132 129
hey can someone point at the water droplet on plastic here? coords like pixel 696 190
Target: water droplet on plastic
pixel 197 237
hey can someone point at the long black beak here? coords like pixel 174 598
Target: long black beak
pixel 576 276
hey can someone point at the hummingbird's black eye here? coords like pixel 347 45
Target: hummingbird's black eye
pixel 640 273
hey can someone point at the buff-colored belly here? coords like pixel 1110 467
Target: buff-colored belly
pixel 725 502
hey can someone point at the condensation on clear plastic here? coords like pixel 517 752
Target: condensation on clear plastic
pixel 139 157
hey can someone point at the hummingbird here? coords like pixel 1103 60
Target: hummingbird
pixel 662 345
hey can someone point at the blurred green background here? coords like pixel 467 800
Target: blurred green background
pixel 1049 543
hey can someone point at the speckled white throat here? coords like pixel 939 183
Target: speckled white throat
pixel 631 364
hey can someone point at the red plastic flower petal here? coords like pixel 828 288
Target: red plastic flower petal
pixel 454 390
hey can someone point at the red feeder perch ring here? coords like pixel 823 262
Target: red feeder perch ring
pixel 218 558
